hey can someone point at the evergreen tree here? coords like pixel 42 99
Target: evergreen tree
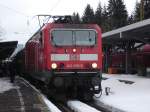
pixel 146 9
pixel 137 12
pixel 117 13
pixel 88 16
pixel 105 20
pixel 98 15
pixel 76 18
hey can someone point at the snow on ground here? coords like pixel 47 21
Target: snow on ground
pixel 50 105
pixel 127 97
pixel 78 106
pixel 5 85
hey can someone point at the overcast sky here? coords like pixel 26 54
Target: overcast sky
pixel 16 13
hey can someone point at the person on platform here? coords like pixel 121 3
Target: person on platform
pixel 12 70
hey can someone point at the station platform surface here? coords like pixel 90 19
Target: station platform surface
pixel 125 93
pixel 21 97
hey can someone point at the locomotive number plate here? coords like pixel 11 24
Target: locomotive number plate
pixel 74 57
pixel 74 65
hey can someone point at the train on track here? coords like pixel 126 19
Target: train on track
pixel 65 58
pixel 139 61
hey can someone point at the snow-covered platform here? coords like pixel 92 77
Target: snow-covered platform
pixel 128 93
pixel 20 97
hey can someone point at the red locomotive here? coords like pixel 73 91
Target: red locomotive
pixel 66 58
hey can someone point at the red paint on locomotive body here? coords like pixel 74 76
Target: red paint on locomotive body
pixel 41 53
pixel 82 58
pixel 61 50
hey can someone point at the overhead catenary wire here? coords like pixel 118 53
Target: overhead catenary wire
pixel 56 4
pixel 14 10
pixel 26 15
pixel 47 19
pixel 49 16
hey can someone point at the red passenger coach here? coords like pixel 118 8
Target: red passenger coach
pixel 66 57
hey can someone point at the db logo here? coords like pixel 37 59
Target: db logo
pixel 74 57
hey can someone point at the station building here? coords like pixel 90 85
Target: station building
pixel 127 49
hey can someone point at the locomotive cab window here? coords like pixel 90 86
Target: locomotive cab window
pixel 75 37
pixel 62 37
pixel 85 37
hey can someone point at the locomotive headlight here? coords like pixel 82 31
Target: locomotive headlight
pixel 94 65
pixel 74 50
pixel 54 65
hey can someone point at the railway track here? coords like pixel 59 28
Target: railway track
pixel 98 107
pixel 80 106
pixel 63 107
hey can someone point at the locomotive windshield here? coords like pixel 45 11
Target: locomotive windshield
pixel 74 37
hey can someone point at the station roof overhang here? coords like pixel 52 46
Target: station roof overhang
pixel 138 32
pixel 7 48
